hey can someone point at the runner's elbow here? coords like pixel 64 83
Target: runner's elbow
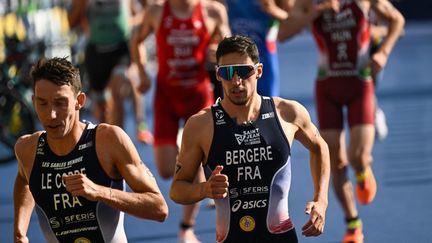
pixel 159 212
pixel 177 195
pixel 162 213
pixel 173 194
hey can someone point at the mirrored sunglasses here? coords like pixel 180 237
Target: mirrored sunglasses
pixel 244 71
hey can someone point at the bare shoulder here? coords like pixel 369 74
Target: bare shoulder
pixel 377 5
pixel 214 8
pixel 157 5
pixel 25 150
pixel 113 148
pixel 155 9
pixel 198 131
pixel 111 142
pixel 287 105
pixel 303 5
pixel 27 142
pixel 108 135
pixel 365 5
pixel 290 110
pixel 200 121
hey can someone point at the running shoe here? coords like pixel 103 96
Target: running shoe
pixel 187 236
pixel 381 128
pixel 366 186
pixel 354 232
pixel 211 203
pixel 143 135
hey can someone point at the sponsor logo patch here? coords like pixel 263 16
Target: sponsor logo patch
pixel 247 223
pixel 219 114
pixel 82 240
pixel 250 137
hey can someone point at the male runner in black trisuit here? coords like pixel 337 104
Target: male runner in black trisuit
pixel 244 143
pixel 74 172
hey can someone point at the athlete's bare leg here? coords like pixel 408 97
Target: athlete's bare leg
pixel 190 213
pixel 117 90
pixel 342 186
pixel 130 89
pixel 102 106
pixel 165 157
pixel 360 146
pixel 138 104
pixel 123 84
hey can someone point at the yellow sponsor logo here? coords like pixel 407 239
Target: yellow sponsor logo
pixel 247 223
pixel 82 240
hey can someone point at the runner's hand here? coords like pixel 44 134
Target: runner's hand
pixel 327 5
pixel 145 82
pixel 81 185
pixel 378 61
pixel 217 184
pixel 332 5
pixel 315 225
pixel 22 239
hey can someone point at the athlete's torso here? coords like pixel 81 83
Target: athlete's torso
pixel 64 218
pixel 108 21
pixel 343 40
pixel 181 48
pixel 256 159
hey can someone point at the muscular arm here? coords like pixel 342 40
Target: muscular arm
pixel 23 208
pixel 183 189
pixel 276 9
pixel 23 199
pixel 302 15
pixel 218 12
pixel 137 12
pixel 307 134
pixel 385 10
pixel 139 35
pixel 116 150
pixel 77 12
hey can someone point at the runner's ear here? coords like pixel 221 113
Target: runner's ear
pixel 218 78
pixel 259 70
pixel 80 101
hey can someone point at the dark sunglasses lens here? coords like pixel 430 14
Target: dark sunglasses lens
pixel 243 72
pixel 226 73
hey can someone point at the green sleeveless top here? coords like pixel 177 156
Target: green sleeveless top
pixel 108 21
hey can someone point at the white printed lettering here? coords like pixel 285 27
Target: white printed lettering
pixel 46 181
pixel 65 200
pixel 242 156
pixel 248 173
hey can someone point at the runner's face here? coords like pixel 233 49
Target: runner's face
pixel 237 90
pixel 56 106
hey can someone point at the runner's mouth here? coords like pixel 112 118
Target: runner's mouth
pixel 54 126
